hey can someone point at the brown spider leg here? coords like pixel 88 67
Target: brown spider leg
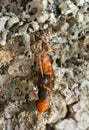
pixel 40 64
pixel 46 88
pixel 38 45
pixel 51 84
pixel 61 51
pixel 61 54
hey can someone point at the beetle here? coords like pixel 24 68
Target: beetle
pixel 45 81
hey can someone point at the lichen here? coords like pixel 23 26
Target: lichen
pixel 63 27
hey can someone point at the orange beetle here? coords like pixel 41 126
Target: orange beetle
pixel 45 82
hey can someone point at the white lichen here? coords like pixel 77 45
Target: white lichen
pixel 3 31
